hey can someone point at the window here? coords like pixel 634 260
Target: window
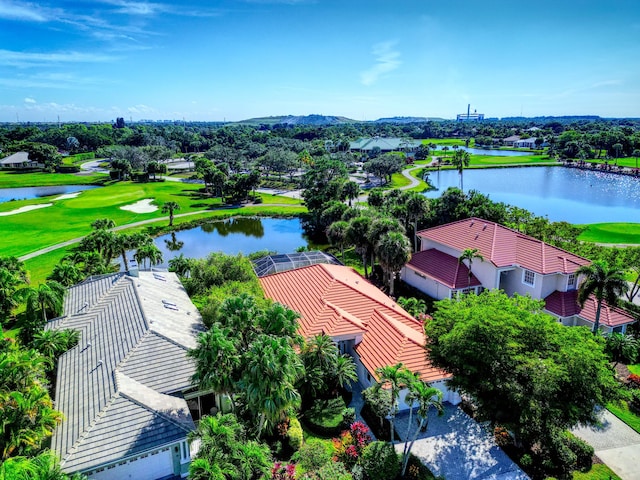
pixel 184 452
pixel 529 277
pixel 571 281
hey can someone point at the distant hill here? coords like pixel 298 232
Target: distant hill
pixel 298 120
pixel 407 119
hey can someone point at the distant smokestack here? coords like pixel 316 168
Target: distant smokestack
pixel 468 110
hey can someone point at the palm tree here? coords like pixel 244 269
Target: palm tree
pixel 181 265
pixel 603 282
pixel 622 347
pixel 148 252
pixel 393 252
pixel 636 154
pixel 16 267
pixel 617 148
pixel 66 273
pixel 268 382
pixel 350 190
pixel 357 234
pixel 344 372
pixel 460 160
pixel 470 254
pixel 279 321
pixel 427 397
pixel 397 378
pixel 217 361
pixel 417 208
pixel 413 305
pixel 103 224
pixel 131 241
pixel 46 297
pixel 337 235
pixel 9 283
pixel 170 207
pixel 225 452
pixel 445 149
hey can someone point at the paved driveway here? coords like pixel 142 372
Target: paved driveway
pixel 616 444
pixel 458 448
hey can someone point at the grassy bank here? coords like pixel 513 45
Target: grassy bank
pixel 10 179
pixel 622 233
pixel 623 412
pixel 26 232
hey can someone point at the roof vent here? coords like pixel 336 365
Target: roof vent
pixel 471 224
pixel 484 227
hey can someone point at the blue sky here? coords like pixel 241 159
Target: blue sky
pixel 95 60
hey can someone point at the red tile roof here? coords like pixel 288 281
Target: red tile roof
pixel 565 304
pixel 444 268
pixel 336 300
pixel 504 247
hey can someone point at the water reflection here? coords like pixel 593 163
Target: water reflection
pixel 570 194
pixel 26 193
pixel 233 236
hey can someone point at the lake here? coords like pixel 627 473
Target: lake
pixel 570 194
pixel 483 151
pixel 232 236
pixel 26 193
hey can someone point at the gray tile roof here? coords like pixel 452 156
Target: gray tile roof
pixel 113 386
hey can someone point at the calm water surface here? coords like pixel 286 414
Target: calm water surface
pixel 26 193
pixel 482 151
pixel 232 236
pixel 570 194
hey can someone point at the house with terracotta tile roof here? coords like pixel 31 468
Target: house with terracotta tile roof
pixel 363 321
pixel 512 262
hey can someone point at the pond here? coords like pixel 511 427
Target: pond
pixel 232 236
pixel 26 193
pixel 570 194
pixel 484 151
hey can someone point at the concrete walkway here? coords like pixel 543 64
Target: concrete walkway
pixel 616 444
pixel 457 447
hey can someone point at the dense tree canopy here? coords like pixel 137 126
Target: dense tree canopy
pixel 523 369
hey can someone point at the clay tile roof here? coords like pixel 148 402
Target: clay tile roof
pixel 565 304
pixel 336 300
pixel 504 247
pixel 442 267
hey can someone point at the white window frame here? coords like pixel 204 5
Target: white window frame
pixel 524 277
pixel 571 281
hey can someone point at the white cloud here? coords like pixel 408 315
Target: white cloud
pixel 137 8
pixel 29 100
pixel 387 59
pixel 24 59
pixel 22 11
pixel 141 109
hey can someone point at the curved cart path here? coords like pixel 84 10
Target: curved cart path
pixel 51 248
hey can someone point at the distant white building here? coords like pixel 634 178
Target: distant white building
pixel 19 160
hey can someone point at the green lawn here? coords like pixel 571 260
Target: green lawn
pixel 41 179
pixel 398 180
pixel 627 416
pixel 634 368
pixel 612 233
pixel 598 472
pixel 67 219
pixel 495 160
pixel 447 141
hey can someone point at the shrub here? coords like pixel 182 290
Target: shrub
pixel 380 461
pixel 313 455
pixel 582 450
pixel 526 460
pixel 634 403
pixel 294 434
pixel 351 444
pixel 283 471
pixel 325 416
pixel 348 417
pixel 333 471
pixel 634 380
pixel 501 436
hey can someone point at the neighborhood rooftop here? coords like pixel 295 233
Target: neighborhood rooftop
pixel 115 387
pixel 337 301
pixel 505 247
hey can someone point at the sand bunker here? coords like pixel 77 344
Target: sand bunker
pixel 25 209
pixel 142 206
pixel 67 195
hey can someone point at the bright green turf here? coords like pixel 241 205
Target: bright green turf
pixel 623 233
pixel 16 179
pixel 67 219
